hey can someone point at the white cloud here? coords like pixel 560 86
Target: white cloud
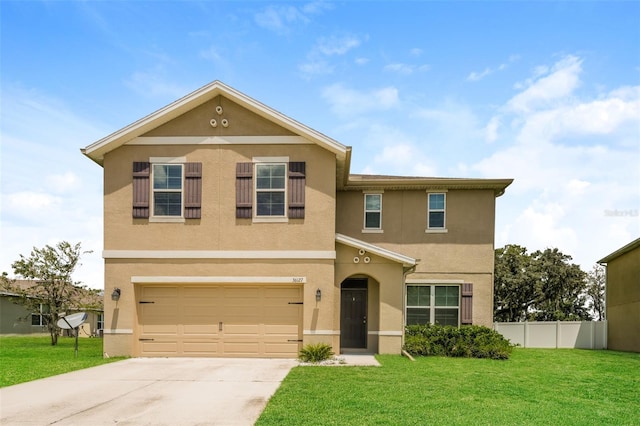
pixel 330 46
pixel 548 85
pixel 317 61
pixel 406 69
pixel 279 18
pixel 477 76
pixel 50 192
pixel 573 159
pixel 348 102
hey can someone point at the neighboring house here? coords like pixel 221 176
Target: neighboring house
pixel 17 319
pixel 233 230
pixel 623 298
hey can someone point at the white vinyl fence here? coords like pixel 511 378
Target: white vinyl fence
pixel 555 334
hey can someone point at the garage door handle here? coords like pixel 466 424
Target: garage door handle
pixel 145 340
pixel 220 326
pixel 294 340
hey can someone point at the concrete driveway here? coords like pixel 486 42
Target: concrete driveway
pixel 149 391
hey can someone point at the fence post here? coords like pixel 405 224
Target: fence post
pixel 526 334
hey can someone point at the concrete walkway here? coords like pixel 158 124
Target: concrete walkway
pixel 155 391
pixel 149 391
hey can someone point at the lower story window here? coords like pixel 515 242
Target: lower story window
pixel 433 304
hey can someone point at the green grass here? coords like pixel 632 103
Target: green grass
pixel 534 387
pixel 26 358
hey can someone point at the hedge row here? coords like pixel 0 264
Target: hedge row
pixel 470 341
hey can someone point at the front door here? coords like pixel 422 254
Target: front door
pixel 353 314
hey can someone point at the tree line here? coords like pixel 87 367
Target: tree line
pixel 545 286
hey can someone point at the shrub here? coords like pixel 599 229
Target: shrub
pixel 470 341
pixel 317 352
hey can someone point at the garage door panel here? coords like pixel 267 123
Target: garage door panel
pixel 257 320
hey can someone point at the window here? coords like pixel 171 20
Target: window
pixel 372 211
pixel 433 304
pixel 38 319
pixel 436 211
pixel 100 322
pixel 167 189
pixel 270 189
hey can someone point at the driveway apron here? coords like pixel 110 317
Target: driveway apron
pixel 149 391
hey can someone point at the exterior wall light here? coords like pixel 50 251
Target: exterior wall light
pixel 318 295
pixel 116 294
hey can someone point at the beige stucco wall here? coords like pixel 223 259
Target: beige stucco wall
pixel 623 302
pixel 222 229
pixel 464 253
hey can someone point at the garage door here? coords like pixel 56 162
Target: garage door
pixel 219 321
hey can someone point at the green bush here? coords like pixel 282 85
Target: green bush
pixel 317 352
pixel 470 341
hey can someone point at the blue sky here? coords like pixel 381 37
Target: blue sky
pixel 547 93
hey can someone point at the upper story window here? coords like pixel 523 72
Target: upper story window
pixel 270 190
pixel 436 207
pixel 167 190
pixel 372 211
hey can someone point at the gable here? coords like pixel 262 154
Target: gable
pixel 176 117
pixel 219 116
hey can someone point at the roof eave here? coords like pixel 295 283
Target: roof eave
pixel 632 245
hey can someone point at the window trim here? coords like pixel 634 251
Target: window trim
pixel 432 302
pixel 438 229
pixel 366 229
pixel 263 161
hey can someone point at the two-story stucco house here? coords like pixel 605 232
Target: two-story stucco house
pixel 232 230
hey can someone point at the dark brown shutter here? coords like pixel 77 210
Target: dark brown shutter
pixel 141 173
pixel 244 190
pixel 192 190
pixel 297 183
pixel 466 302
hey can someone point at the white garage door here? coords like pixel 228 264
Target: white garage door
pixel 219 321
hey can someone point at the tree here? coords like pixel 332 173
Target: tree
pixel 596 281
pixel 560 287
pixel 514 284
pixel 50 268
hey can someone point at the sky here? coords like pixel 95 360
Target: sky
pixel 544 92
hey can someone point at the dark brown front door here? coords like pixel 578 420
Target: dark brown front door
pixel 353 314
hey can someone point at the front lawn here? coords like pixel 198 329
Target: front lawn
pixel 533 387
pixel 26 358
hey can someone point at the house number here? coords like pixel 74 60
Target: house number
pixel 298 279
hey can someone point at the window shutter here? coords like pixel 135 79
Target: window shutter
pixel 141 173
pixel 297 183
pixel 244 190
pixel 192 190
pixel 466 302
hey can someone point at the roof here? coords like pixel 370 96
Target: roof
pixel 98 149
pixel 372 182
pixel 406 261
pixel 88 298
pixel 629 247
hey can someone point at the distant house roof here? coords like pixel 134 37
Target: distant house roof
pixel 89 297
pixel 631 246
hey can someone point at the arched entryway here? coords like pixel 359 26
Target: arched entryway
pixel 354 295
